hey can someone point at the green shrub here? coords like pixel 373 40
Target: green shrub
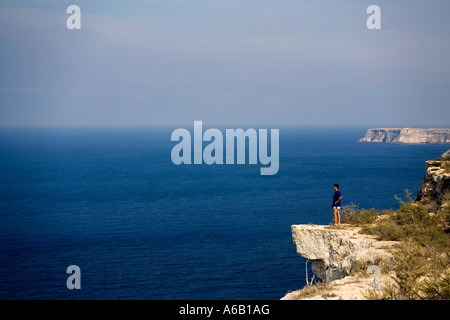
pixel 421 274
pixel 442 159
pixel 437 288
pixel 351 214
pixel 446 167
pixel 445 163
pixel 384 232
pixel 422 263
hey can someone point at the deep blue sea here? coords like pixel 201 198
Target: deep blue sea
pixel 139 227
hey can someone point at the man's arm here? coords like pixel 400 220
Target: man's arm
pixel 338 199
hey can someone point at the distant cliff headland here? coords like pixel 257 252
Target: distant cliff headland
pixel 407 135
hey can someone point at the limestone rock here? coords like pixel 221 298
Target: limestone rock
pixel 446 154
pixel 407 135
pixel 353 287
pixel 334 251
pixel 435 185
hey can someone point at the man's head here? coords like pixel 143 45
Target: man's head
pixel 336 186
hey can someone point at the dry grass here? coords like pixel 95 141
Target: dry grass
pixel 310 290
pixel 423 262
pixel 445 163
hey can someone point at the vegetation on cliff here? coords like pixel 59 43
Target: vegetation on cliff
pixel 420 229
pixel 422 268
pixel 445 163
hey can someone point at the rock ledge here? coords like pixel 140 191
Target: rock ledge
pixel 436 183
pixel 335 251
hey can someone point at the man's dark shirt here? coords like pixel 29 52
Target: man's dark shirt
pixel 336 196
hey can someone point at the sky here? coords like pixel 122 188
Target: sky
pixel 225 62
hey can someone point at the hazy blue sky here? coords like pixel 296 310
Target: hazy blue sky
pixel 226 62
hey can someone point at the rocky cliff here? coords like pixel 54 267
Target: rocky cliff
pixel 407 135
pixel 436 183
pixel 335 252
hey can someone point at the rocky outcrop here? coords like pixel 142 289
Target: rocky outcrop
pixel 354 287
pixel 335 251
pixel 436 183
pixel 446 154
pixel 407 135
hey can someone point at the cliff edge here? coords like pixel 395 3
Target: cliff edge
pixel 436 183
pixel 335 253
pixel 407 135
pixel 338 254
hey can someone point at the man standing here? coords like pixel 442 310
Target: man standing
pixel 336 204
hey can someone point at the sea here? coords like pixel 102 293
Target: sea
pixel 139 227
